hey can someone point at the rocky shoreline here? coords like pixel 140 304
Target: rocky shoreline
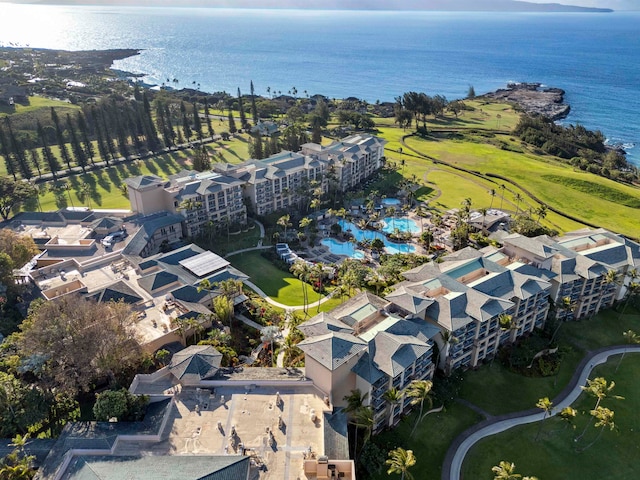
pixel 533 99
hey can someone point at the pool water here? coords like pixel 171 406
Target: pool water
pixel 360 235
pixel 403 224
pixel 390 202
pixel 342 248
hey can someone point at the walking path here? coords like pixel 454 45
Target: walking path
pixel 460 447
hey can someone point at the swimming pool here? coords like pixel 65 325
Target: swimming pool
pixel 403 224
pixel 360 235
pixel 390 202
pixel 342 248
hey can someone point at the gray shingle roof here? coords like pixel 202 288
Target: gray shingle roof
pixel 195 363
pixel 157 281
pixel 336 442
pixel 143 181
pixel 409 300
pixel 170 467
pixel 392 354
pixel 332 349
pixel 323 323
pixel 533 245
pixel 116 292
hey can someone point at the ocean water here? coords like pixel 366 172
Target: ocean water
pixel 370 55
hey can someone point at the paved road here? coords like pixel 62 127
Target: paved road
pixel 461 446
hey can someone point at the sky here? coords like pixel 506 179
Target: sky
pixel 613 4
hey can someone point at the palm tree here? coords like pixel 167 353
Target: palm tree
pixel 568 415
pixel 546 406
pixel 502 187
pixel 483 212
pixel 399 461
pixel 420 391
pixel 566 306
pixel 355 401
pixel 207 286
pixel 518 198
pixel 269 334
pixel 507 471
pixel 604 417
pixel 541 211
pixel 301 269
pixel 492 193
pixel 448 339
pixel 600 389
pixel 393 397
pixel 364 419
pixel 633 289
pixel 284 222
pixel 632 338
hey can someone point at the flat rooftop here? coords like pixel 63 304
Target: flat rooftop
pixel 201 422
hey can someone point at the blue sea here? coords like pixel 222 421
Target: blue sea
pixel 370 55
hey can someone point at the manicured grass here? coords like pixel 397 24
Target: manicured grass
pixel 431 439
pixel 223 244
pixel 592 188
pixel 105 184
pixel 555 456
pixel 283 287
pixel 36 103
pixel 519 167
pixel 498 391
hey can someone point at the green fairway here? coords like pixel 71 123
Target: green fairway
pixel 556 456
pixel 37 103
pixel 572 196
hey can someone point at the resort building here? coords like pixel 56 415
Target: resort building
pixel 285 180
pixel 200 197
pixel 209 422
pixel 589 267
pixel 282 181
pixel 161 288
pixel 366 344
pixel 476 304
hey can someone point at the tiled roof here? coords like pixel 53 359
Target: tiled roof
pixel 409 300
pixel 116 292
pixel 336 442
pixel 156 281
pixel 169 467
pixel 143 181
pixel 533 245
pixel 392 354
pixel 332 349
pixel 323 323
pixel 195 363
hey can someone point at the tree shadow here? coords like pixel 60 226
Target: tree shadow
pixel 151 166
pixel 102 181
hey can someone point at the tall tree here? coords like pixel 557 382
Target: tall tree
pixel 600 389
pixel 507 471
pixel 49 157
pixel 60 137
pixel 400 461
pixel 604 417
pixel 201 161
pixel 81 341
pixel 5 149
pixel 232 123
pixel 254 110
pixel 84 134
pixel 197 124
pixel 243 116
pixel 12 194
pixel 631 338
pixel 420 391
pixel 76 147
pixel 36 160
pixel 186 128
pixel 208 118
pixel 546 406
pixel 19 152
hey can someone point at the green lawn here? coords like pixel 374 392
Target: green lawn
pixel 521 393
pixel 431 439
pixel 555 456
pixel 36 103
pixel 282 286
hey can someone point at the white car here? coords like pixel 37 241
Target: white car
pixel 112 238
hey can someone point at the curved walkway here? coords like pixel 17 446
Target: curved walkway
pixel 460 447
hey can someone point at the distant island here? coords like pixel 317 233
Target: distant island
pixel 426 5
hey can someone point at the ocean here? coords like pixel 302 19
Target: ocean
pixel 594 57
